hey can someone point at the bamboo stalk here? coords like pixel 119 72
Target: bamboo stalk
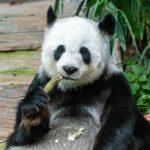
pixel 52 83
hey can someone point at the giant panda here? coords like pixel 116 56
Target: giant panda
pixel 93 98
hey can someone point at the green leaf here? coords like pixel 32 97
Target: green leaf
pixel 148 111
pixel 142 92
pixel 139 102
pixel 146 86
pixel 144 52
pixel 132 77
pixel 143 69
pixel 127 75
pixel 90 3
pixel 58 6
pixel 148 67
pixel 135 86
pixel 80 7
pixel 130 10
pixel 120 35
pixel 135 69
pixel 111 8
pixel 98 8
pixel 142 78
pixel 130 30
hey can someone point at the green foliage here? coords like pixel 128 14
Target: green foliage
pixel 145 59
pixel 58 6
pixel 140 85
pixel 131 17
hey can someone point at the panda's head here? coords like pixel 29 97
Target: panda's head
pixel 76 48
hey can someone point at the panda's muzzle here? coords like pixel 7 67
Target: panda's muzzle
pixel 69 70
pixel 68 78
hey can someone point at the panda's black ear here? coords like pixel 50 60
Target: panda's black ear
pixel 51 17
pixel 108 24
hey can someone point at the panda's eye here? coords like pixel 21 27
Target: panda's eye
pixel 85 55
pixel 58 52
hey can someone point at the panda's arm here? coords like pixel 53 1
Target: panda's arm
pixel 117 117
pixel 32 118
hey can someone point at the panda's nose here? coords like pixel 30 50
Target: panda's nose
pixel 70 70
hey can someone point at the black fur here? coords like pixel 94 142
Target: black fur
pixel 51 17
pixel 58 52
pixel 123 127
pixel 86 55
pixel 108 25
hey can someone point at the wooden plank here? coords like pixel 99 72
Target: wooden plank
pixel 9 97
pixel 22 26
pixel 17 1
pixel 13 85
pixel 20 41
pixel 37 8
pixel 19 66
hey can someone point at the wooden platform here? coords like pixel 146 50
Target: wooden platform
pixel 9 96
pixel 21 34
pixel 22 25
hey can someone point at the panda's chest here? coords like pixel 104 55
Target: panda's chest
pixel 78 113
pixel 77 105
pixel 75 120
pixel 74 130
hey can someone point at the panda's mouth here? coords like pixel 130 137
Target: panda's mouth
pixel 68 78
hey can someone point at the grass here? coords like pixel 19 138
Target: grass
pixel 19 69
pixel 19 54
pixel 16 72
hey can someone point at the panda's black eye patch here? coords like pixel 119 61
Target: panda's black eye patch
pixel 85 55
pixel 58 52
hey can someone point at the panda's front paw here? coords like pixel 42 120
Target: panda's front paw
pixel 34 109
pixel 34 121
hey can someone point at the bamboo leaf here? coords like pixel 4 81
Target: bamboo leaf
pixel 80 7
pixel 111 7
pixel 120 35
pixel 130 30
pixel 58 6
pixel 144 52
pixel 98 8
pixel 90 3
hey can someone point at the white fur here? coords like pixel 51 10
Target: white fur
pixel 74 33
